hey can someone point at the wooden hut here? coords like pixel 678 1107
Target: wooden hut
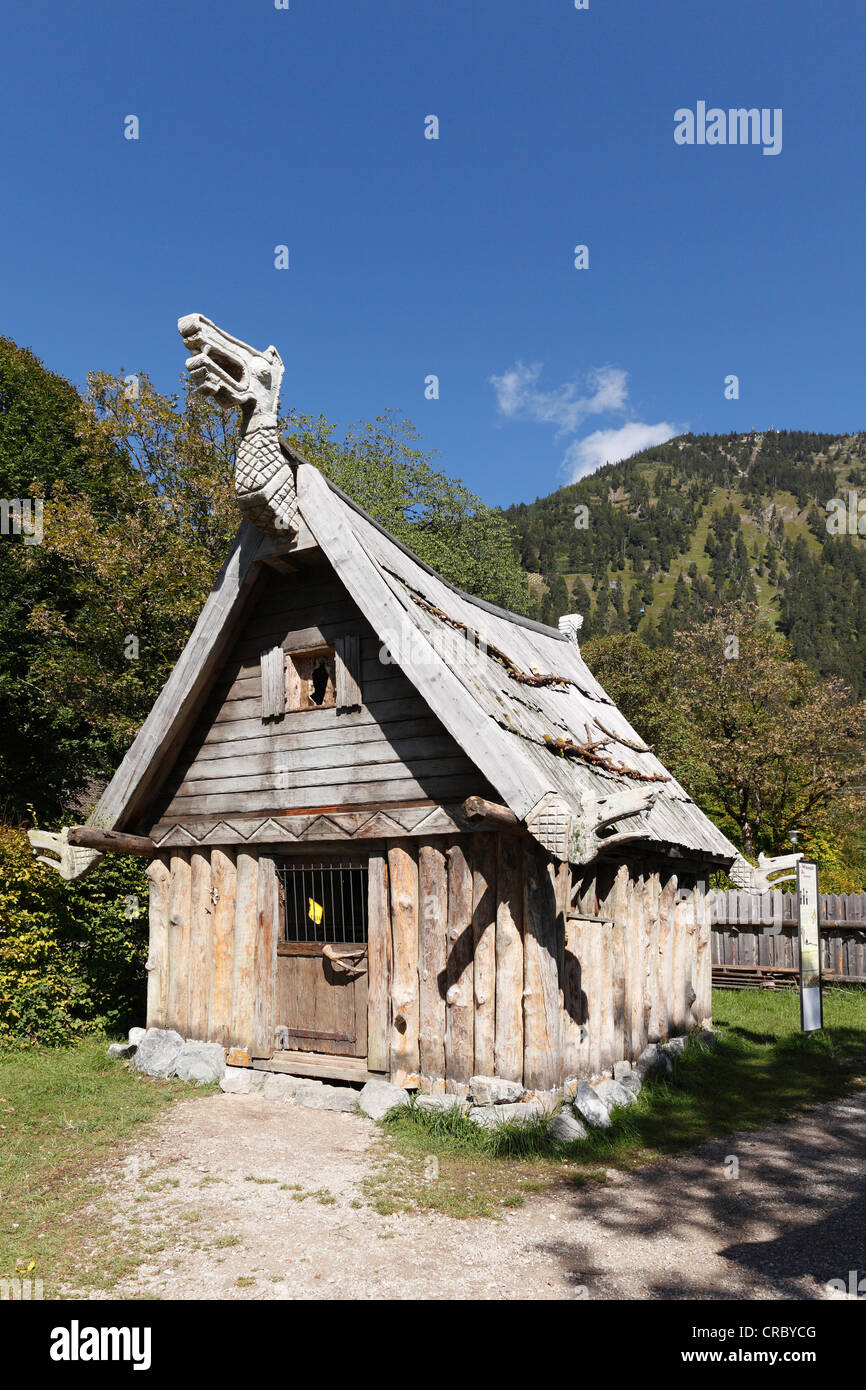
pixel 395 831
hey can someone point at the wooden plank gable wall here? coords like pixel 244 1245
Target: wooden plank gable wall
pixel 379 745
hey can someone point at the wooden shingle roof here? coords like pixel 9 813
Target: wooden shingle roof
pixel 516 695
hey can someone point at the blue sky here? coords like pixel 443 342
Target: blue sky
pixel 409 257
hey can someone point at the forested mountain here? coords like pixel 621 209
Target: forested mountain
pixel 704 520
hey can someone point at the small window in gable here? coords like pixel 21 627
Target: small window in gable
pixel 311 680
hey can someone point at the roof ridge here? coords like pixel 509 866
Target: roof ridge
pixel 295 456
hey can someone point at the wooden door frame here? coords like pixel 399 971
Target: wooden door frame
pixel 326 850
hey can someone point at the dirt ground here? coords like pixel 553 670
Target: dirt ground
pixel 236 1197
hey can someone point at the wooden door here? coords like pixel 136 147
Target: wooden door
pixel 322 957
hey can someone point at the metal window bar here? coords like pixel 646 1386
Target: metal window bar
pixel 336 889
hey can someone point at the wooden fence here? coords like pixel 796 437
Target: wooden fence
pixel 755 937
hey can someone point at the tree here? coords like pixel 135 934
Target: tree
pixel 381 467
pixel 760 742
pixel 139 515
pixel 47 748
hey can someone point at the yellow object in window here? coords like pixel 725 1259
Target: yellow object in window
pixel 315 912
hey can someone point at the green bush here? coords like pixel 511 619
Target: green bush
pixel 71 954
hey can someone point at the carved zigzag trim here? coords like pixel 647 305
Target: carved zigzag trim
pixel 341 825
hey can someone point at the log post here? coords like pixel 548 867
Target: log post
pixel 666 955
pixel 490 813
pixel 432 956
pixel 111 841
pixel 459 1024
pixel 265 968
pixel 159 880
pixel 246 923
pixel 224 881
pixel 180 891
pixel 200 944
pixel 651 1004
pixel 508 1048
pixel 379 966
pixel 540 985
pixel 484 962
pixel 403 876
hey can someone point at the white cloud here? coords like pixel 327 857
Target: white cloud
pixel 604 391
pixel 518 397
pixel 611 446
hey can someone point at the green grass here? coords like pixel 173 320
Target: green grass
pixel 62 1112
pixel 763 1070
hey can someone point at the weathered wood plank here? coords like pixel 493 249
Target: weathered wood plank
pixel 246 924
pixel 573 1034
pixel 380 713
pixel 278 801
pixel 636 967
pixel 379 965
pixel 394 734
pixel 178 941
pixel 159 881
pixel 224 880
pixel 666 954
pixel 541 1035
pixel 347 650
pixel 403 880
pixel 281 760
pixel 459 1033
pixel 200 944
pixel 484 855
pixel 652 903
pixel 432 957
pixel 509 959
pixel 265 966
pixel 273 678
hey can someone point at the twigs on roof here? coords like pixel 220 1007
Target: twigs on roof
pixel 567 748
pixel 515 672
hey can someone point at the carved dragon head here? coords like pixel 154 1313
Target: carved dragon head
pixel 231 371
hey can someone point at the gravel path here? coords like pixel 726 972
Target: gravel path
pixel 794 1218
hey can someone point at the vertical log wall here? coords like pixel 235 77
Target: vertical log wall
pixel 213 947
pixel 501 963
pixel 484 956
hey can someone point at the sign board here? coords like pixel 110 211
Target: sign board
pixel 811 1010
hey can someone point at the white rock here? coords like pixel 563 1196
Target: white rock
pixel 135 1035
pixel 280 1086
pixel 632 1083
pixel 613 1094
pixel 121 1049
pixel 675 1047
pixel 492 1090
pixel 442 1103
pixel 242 1081
pixel 200 1062
pixel 378 1097
pixel 648 1060
pixel 158 1052
pixel 323 1097
pixel 620 1070
pixel 490 1116
pixel 565 1128
pixel 590 1106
